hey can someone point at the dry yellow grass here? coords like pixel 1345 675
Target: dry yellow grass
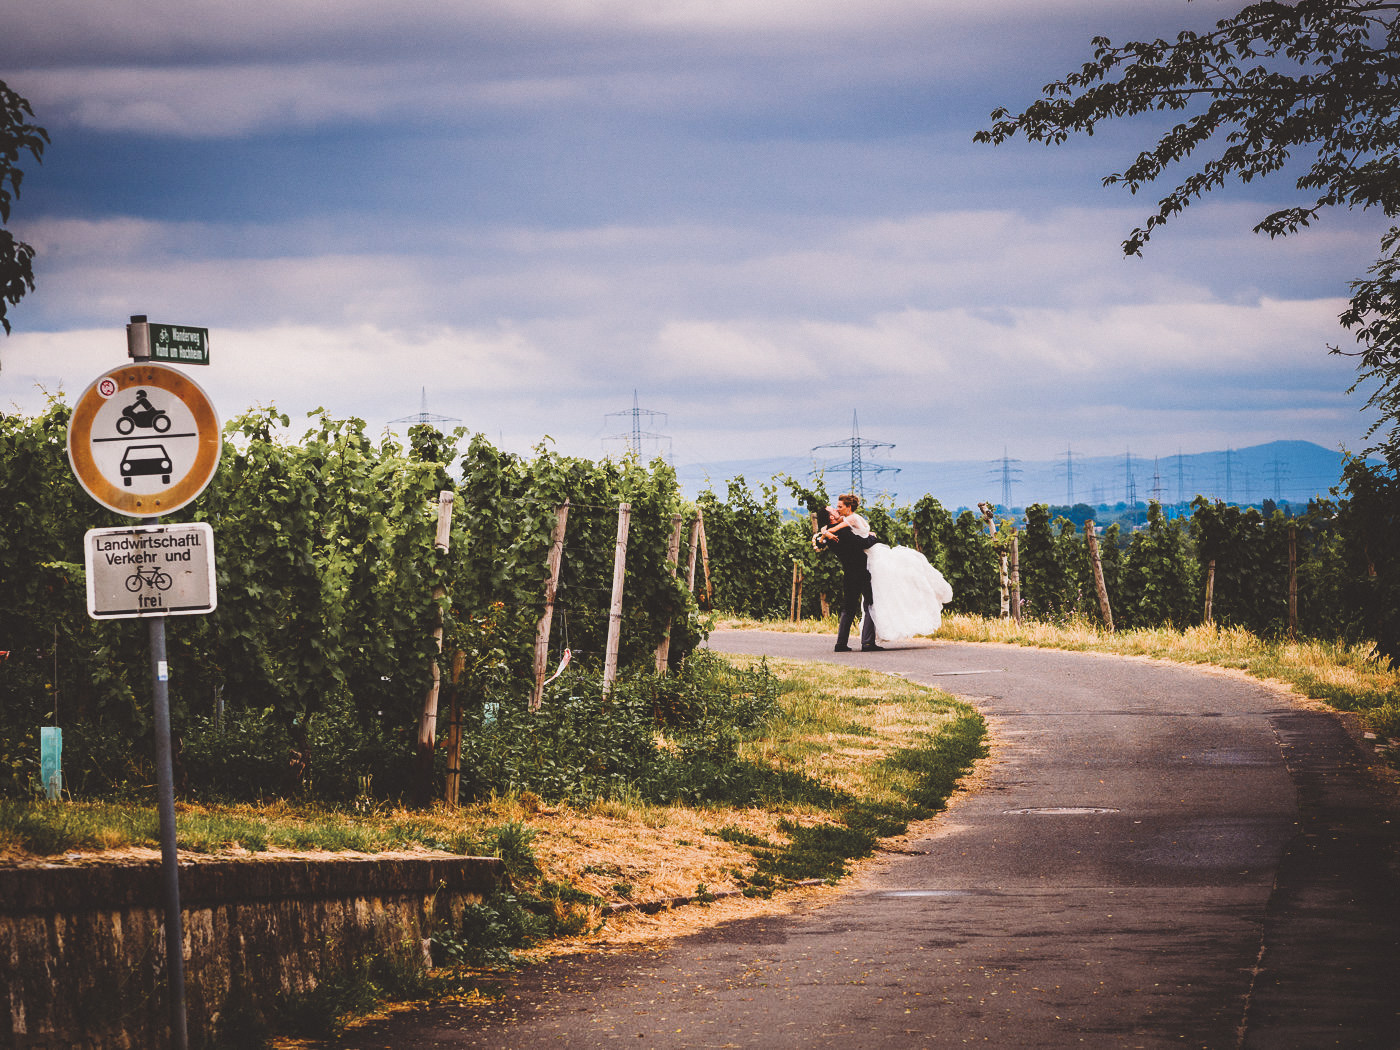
pixel 1347 676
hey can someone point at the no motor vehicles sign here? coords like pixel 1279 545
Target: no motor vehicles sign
pixel 144 440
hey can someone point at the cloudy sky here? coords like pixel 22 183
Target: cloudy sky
pixel 761 216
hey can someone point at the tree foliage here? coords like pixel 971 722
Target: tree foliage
pixel 1315 82
pixel 17 137
pixel 1159 578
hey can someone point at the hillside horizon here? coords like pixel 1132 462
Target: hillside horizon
pixel 1283 471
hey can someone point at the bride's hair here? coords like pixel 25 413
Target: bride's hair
pixel 851 501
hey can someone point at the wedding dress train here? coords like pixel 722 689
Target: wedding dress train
pixel 909 593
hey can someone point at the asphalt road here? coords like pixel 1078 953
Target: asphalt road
pixel 1160 856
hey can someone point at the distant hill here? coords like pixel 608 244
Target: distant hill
pixel 1291 471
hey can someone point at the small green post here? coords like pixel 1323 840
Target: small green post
pixel 51 761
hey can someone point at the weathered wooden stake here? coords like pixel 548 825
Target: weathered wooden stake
pixel 454 731
pixel 1210 589
pixel 693 552
pixel 795 602
pixel 1015 579
pixel 1293 582
pixel 704 557
pixel 551 587
pixel 427 724
pixel 1091 538
pixel 624 517
pixel 673 557
pixel 1005 587
pixel 989 516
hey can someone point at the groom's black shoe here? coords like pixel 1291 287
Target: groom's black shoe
pixel 872 648
pixel 843 649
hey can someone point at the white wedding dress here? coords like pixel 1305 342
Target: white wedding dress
pixel 909 593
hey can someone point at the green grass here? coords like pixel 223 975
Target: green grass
pixel 846 757
pixel 881 750
pixel 849 748
pixel 51 828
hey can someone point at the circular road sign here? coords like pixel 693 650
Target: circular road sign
pixel 144 440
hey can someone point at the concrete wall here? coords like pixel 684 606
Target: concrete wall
pixel 82 948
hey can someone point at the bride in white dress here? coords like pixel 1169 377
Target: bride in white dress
pixel 908 593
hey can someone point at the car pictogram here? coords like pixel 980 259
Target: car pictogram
pixel 142 460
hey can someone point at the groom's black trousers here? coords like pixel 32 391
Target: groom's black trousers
pixel 855 587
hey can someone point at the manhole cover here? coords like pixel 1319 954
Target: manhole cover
pixel 1061 811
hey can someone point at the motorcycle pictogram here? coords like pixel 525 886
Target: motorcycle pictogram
pixel 141 413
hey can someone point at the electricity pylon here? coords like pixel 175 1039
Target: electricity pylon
pixel 856 465
pixel 633 438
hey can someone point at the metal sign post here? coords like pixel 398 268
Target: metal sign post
pixel 169 852
pixel 144 440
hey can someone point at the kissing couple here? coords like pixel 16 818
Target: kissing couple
pixel 898 581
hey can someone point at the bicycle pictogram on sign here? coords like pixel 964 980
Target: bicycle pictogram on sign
pixel 154 577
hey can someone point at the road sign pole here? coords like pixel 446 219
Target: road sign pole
pixel 106 415
pixel 169 854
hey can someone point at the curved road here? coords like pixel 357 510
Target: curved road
pixel 1159 856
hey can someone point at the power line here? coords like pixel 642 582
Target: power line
pixel 1069 476
pixel 633 438
pixel 1006 470
pixel 856 465
pixel 424 416
pixel 1280 472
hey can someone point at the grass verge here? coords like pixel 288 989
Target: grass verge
pixel 847 756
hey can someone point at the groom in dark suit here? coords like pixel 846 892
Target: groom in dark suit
pixel 855 577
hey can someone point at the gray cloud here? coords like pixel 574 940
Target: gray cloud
pixel 761 214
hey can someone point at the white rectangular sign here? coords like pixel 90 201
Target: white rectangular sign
pixel 150 570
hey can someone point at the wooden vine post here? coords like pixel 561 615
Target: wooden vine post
pixel 1293 582
pixel 795 605
pixel 1091 538
pixel 694 552
pixel 673 557
pixel 454 731
pixel 988 514
pixel 624 516
pixel 1210 590
pixel 704 557
pixel 1005 586
pixel 1015 579
pixel 551 587
pixel 427 724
